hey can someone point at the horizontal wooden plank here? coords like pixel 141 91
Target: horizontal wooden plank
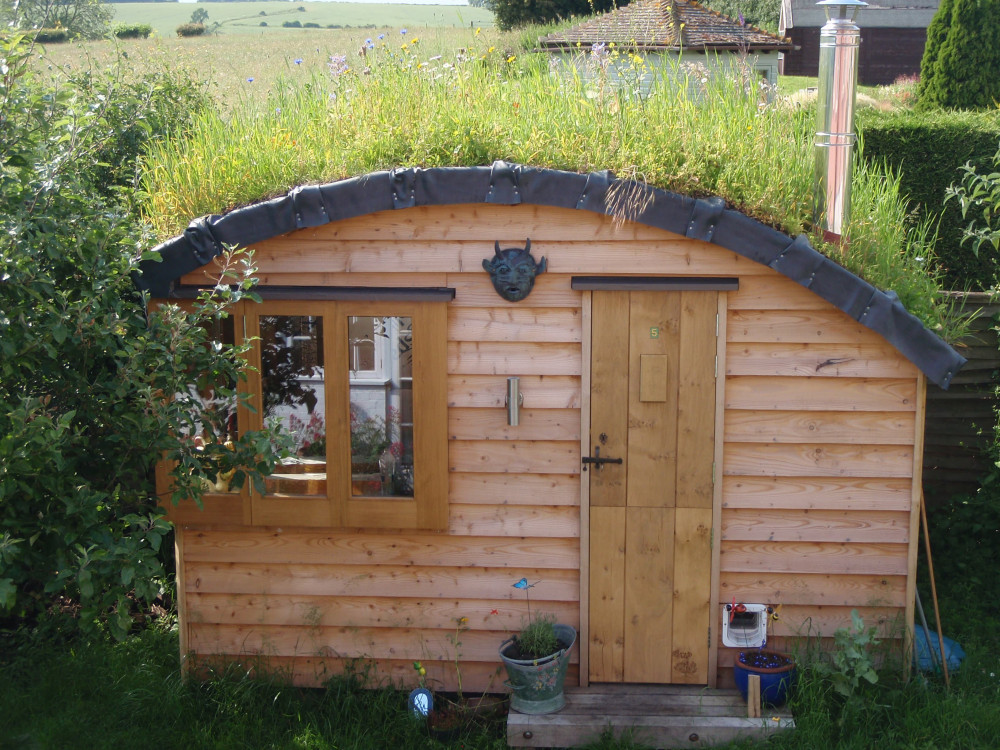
pixel 795 621
pixel 316 671
pixel 747 524
pixel 419 581
pixel 817 460
pixel 475 289
pixel 290 276
pixel 825 359
pixel 515 456
pixel 514 489
pixel 552 521
pixel 517 324
pixel 820 589
pixel 891 428
pixel 797 326
pixel 415 644
pixel 817 492
pixel 509 225
pixel 667 256
pixel 272 545
pixel 215 508
pixel 820 394
pixel 369 611
pixel 534 424
pixel 513 358
pixel 814 557
pixel 539 391
pixel 772 290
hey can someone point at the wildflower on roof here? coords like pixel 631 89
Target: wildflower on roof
pixel 381 37
pixel 297 60
pixel 250 79
pixel 338 65
pixel 402 31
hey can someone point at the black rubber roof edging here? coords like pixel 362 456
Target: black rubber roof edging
pixel 511 184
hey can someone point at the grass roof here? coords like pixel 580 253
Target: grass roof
pixel 396 103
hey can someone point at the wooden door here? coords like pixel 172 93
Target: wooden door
pixel 653 403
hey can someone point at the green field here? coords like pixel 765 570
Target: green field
pixel 247 17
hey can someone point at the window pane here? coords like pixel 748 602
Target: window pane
pixel 382 407
pixel 293 397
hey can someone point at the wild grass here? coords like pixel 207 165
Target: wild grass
pixel 402 104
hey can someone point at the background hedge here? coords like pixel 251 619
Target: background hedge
pixel 928 148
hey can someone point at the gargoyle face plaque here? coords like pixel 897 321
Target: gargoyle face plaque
pixel 513 271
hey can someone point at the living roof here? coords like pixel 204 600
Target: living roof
pixel 662 25
pixel 510 184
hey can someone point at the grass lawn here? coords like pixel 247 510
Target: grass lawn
pixel 130 695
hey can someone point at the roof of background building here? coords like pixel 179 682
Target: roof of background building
pixel 665 25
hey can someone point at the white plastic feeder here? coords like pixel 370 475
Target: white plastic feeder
pixel 746 627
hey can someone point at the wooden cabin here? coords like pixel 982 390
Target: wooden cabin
pixel 766 405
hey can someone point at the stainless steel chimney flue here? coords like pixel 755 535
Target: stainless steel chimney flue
pixel 839 42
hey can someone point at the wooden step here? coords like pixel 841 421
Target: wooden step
pixel 660 716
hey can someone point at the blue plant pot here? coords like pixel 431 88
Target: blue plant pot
pixel 775 682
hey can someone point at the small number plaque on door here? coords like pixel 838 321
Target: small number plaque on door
pixel 654 332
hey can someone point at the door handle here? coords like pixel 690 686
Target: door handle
pixel 597 460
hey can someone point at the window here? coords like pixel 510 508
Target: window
pixel 360 385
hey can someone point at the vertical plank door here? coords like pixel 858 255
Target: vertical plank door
pixel 653 406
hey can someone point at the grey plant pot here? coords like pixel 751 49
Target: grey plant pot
pixel 537 684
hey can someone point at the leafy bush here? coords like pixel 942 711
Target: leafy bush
pixel 84 368
pixel 760 13
pixel 981 193
pixel 52 36
pixel 512 13
pixel 928 149
pixel 132 30
pixel 191 29
pixel 292 25
pixel 961 61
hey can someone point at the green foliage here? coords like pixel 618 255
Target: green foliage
pixel 851 659
pixel 960 68
pixel 981 194
pixel 760 13
pixel 292 24
pixel 927 150
pixel 199 15
pixel 52 36
pixel 513 13
pixel 132 30
pixel 191 29
pixel 538 639
pixel 80 18
pixel 965 533
pixel 84 371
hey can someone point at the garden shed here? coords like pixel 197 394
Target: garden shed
pixel 761 407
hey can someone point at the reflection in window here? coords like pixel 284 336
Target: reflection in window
pixel 380 358
pixel 293 395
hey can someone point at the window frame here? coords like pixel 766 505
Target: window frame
pixel 338 508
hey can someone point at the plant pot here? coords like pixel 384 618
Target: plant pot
pixel 537 684
pixel 777 674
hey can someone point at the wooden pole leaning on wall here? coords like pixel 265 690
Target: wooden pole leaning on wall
pixel 937 611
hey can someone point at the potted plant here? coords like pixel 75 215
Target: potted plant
pixel 450 716
pixel 776 670
pixel 536 660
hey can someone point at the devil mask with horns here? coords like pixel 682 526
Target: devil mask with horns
pixel 513 271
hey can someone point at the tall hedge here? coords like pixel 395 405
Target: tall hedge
pixel 928 148
pixel 961 64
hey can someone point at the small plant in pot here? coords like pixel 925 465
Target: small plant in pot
pixel 536 660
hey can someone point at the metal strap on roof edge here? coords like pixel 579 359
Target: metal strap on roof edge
pixel 205 237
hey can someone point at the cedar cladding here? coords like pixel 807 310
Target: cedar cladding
pixel 821 439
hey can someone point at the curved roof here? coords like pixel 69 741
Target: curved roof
pixel 510 184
